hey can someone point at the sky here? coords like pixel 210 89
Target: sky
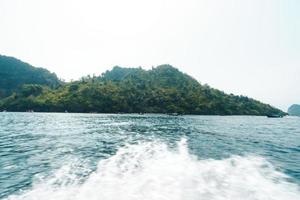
pixel 245 47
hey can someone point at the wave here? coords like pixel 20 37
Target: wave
pixel 152 171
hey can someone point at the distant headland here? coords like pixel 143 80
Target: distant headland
pixel 294 110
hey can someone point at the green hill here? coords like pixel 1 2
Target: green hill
pixel 163 89
pixel 294 110
pixel 15 73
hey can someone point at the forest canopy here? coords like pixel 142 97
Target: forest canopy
pixel 163 89
pixel 15 73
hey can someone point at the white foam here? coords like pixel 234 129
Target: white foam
pixel 151 171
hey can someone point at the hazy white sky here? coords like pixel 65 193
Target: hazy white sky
pixel 249 47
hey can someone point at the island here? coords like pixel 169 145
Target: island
pixel 294 110
pixel 162 89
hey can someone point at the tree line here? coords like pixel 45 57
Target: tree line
pixel 163 89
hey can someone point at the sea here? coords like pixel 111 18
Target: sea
pixel 69 156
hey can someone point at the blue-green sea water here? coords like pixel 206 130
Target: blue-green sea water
pixel 51 156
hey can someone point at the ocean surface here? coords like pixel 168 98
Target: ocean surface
pixel 51 156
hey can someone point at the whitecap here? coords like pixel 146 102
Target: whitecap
pixel 152 171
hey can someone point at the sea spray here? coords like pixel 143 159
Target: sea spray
pixel 152 171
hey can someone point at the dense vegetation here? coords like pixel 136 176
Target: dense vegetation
pixel 294 110
pixel 163 89
pixel 15 73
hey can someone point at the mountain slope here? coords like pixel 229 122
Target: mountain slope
pixel 15 73
pixel 163 89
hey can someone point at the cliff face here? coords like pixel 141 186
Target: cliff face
pixel 294 110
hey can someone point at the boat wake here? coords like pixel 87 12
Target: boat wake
pixel 151 171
